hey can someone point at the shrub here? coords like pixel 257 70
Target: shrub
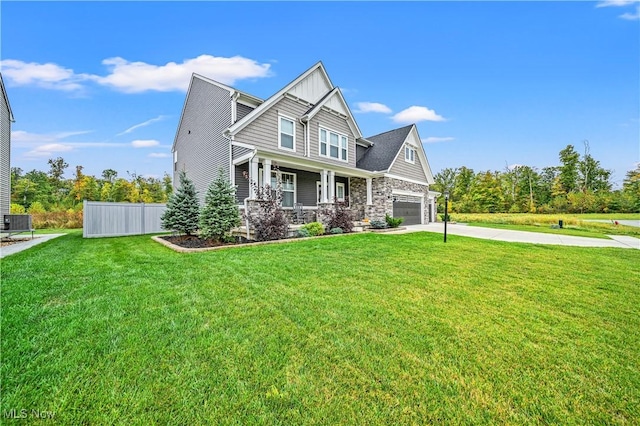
pixel 36 207
pixel 57 220
pixel 335 231
pixel 339 216
pixel 220 214
pixel 183 208
pixel 314 228
pixel 393 222
pixel 303 233
pixel 378 224
pixel 17 209
pixel 270 222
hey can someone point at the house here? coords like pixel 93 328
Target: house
pixel 308 131
pixel 6 118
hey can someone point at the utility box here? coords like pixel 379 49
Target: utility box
pixel 560 223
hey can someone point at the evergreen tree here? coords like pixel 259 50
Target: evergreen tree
pixel 183 209
pixel 220 212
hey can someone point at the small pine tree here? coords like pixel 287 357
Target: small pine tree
pixel 183 208
pixel 220 212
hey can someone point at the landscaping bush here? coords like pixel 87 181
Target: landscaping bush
pixel 378 224
pixel 339 216
pixel 314 228
pixel 393 222
pixel 17 209
pixel 219 214
pixel 183 209
pixel 303 233
pixel 336 231
pixel 270 222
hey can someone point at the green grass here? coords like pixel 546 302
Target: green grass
pixel 361 329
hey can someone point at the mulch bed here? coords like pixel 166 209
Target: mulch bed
pixel 9 241
pixel 193 241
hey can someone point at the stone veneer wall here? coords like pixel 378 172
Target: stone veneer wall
pixel 358 197
pixel 382 197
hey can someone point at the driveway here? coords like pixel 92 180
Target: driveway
pixel 618 241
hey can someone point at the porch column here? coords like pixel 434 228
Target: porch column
pixel 266 172
pixel 323 185
pixel 253 176
pixel 369 191
pixel 332 185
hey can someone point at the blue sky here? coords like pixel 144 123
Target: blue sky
pixel 489 84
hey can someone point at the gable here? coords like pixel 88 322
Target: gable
pixel 313 87
pixel 419 170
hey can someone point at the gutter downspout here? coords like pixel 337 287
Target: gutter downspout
pixel 246 204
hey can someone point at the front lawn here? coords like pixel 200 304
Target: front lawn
pixel 361 329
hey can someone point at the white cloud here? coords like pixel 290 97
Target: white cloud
pixel 21 137
pixel 415 114
pixel 135 77
pixel 143 124
pixel 615 3
pixel 514 166
pixel 48 150
pixel 434 139
pixel 372 107
pixel 144 143
pixel 159 155
pixel 631 16
pixel 48 76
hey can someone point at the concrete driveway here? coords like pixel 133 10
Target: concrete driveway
pixel 618 241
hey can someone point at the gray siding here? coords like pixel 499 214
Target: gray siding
pixel 263 131
pixel 360 150
pixel 412 171
pixel 331 122
pixel 5 157
pixel 242 110
pixel 201 148
pixel 242 184
pixel 239 151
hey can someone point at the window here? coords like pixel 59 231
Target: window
pixel 288 186
pixel 409 155
pixel 333 145
pixel 340 191
pixel 287 131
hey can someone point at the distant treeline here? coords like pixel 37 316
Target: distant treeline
pixel 578 185
pixel 38 192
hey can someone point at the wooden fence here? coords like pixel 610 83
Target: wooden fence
pixel 102 219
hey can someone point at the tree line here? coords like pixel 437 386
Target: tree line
pixel 578 185
pixel 37 191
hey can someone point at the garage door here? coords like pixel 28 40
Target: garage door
pixel 409 208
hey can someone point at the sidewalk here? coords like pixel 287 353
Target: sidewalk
pixel 18 247
pixel 618 241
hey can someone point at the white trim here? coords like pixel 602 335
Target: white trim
pixel 340 136
pixel 242 145
pixel 389 175
pixel 280 132
pixel 341 185
pixel 410 149
pixel 243 158
pixel 409 193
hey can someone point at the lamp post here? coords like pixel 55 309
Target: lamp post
pixel 446 213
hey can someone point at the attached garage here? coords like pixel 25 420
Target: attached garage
pixel 408 207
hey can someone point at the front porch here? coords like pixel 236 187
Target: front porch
pixel 315 189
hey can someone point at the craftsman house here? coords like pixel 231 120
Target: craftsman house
pixel 307 131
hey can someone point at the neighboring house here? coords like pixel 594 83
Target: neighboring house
pixel 308 131
pixel 6 118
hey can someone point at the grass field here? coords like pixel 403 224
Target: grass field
pixel 574 224
pixel 358 329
